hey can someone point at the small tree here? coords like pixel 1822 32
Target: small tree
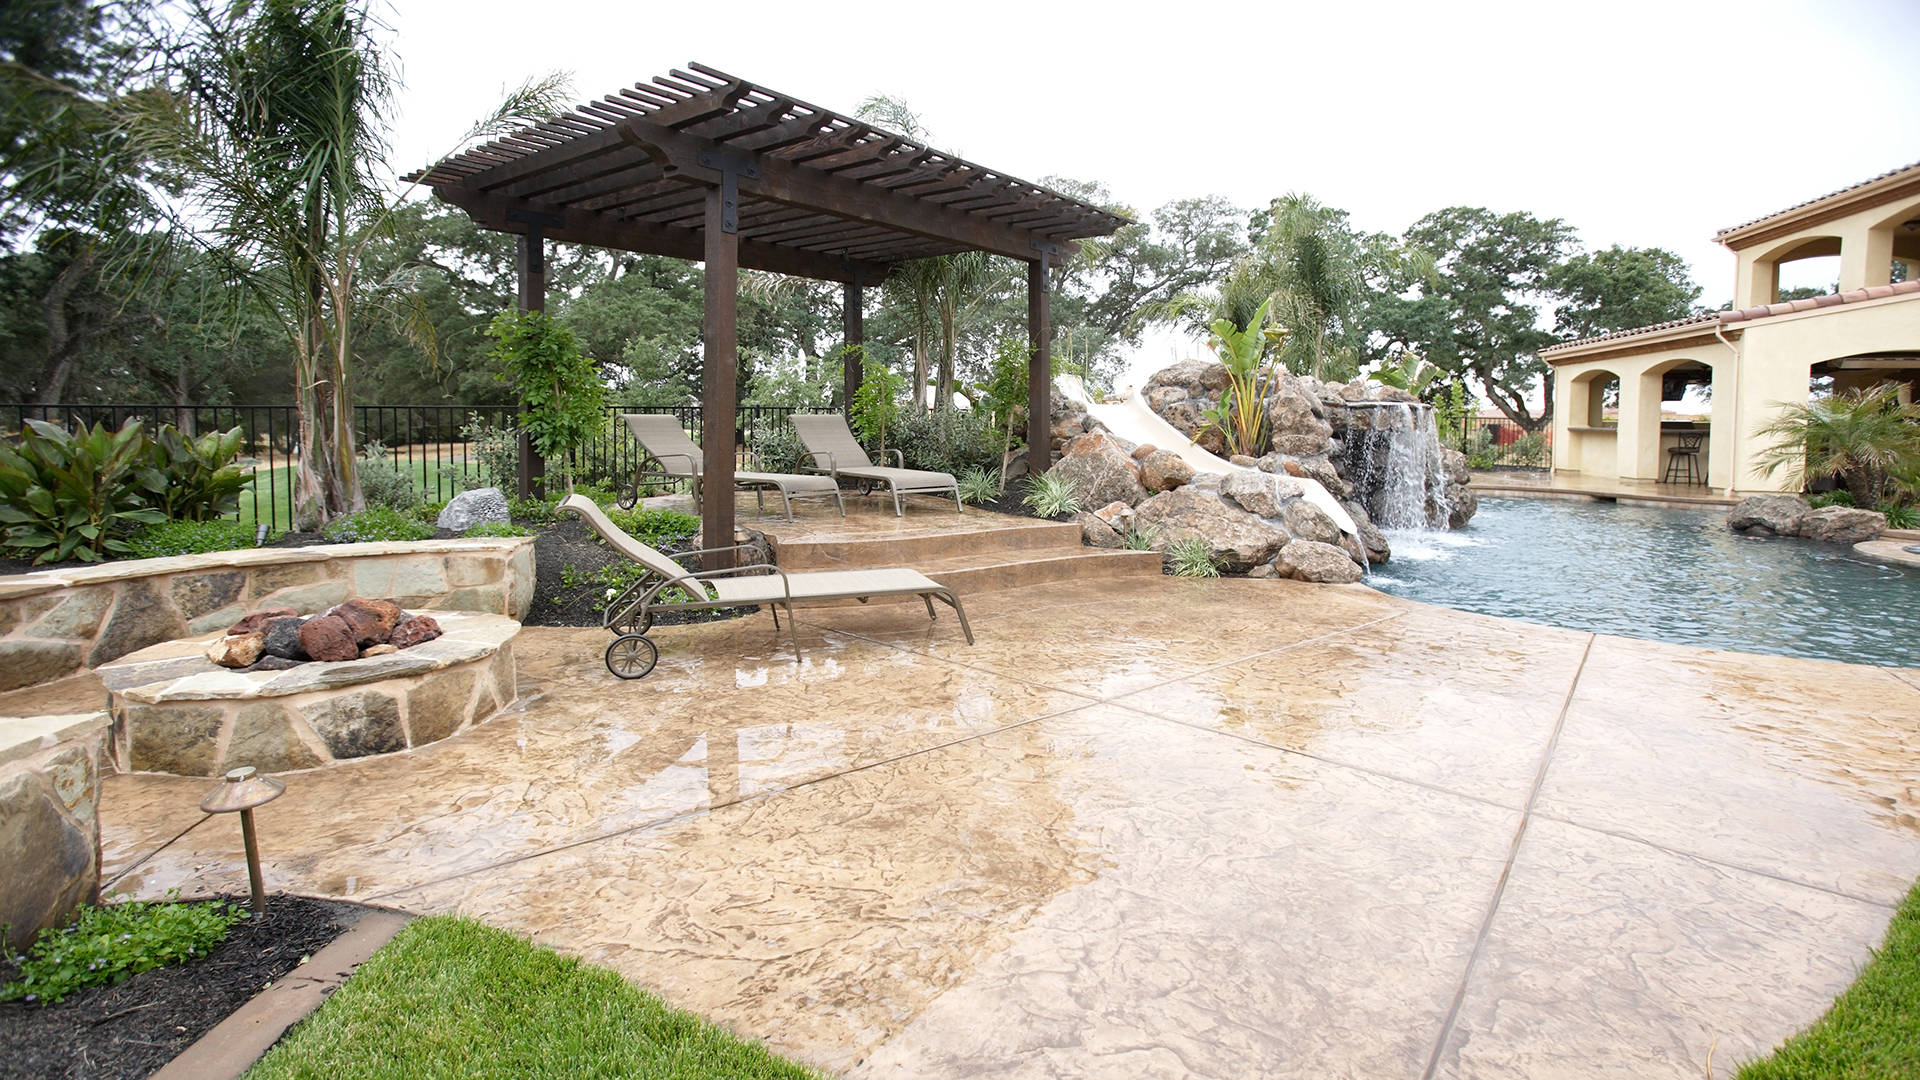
pixel 559 386
pixel 1863 437
pixel 876 404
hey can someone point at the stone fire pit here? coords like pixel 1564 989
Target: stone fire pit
pixel 175 711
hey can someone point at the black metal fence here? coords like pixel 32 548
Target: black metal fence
pixel 431 443
pixel 1499 443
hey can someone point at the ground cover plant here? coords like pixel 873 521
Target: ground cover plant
pixel 1873 1030
pixel 449 997
pixel 105 944
pixel 376 523
pixel 190 538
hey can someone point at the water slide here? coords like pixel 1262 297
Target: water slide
pixel 1133 421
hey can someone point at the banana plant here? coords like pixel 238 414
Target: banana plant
pixel 203 482
pixel 67 495
pixel 1250 377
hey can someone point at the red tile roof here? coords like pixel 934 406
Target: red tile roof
pixel 1822 198
pixel 1852 296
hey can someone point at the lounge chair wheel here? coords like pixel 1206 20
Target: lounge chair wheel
pixel 633 624
pixel 628 499
pixel 631 656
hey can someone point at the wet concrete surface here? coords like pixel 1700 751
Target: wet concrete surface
pixel 1152 827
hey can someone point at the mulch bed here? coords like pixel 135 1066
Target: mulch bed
pixel 132 1029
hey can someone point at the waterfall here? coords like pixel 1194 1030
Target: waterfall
pixel 1390 453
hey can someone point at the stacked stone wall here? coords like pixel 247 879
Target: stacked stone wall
pixel 49 819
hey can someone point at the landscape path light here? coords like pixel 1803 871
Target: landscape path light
pixel 243 791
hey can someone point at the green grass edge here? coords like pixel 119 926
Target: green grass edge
pixel 450 997
pixel 1873 1029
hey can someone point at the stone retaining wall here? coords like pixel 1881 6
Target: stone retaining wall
pixel 55 622
pixel 49 821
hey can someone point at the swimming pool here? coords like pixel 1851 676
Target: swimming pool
pixel 1663 574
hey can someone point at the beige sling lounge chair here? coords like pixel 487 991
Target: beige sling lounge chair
pixel 630 614
pixel 836 453
pixel 677 458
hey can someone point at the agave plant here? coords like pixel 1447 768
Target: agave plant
pixel 67 495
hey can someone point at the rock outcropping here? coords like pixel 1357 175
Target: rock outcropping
pixel 1791 515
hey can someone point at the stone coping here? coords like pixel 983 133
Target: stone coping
pixel 1893 551
pixel 179 670
pixel 35 582
pixel 25 736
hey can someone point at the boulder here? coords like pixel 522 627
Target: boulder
pixel 1199 378
pixel 1308 522
pixel 1780 515
pixel 1244 461
pixel 1254 491
pixel 330 638
pixel 237 650
pixel 255 622
pixel 1160 397
pixel 1184 417
pixel 1144 451
pixel 1319 468
pixel 476 507
pixel 1462 503
pixel 1164 470
pixel 1294 419
pixel 1310 560
pixel 283 639
pixel 414 630
pixel 1455 464
pixel 372 621
pixel 1115 515
pixel 1238 540
pixel 1094 532
pixel 1843 525
pixel 1100 469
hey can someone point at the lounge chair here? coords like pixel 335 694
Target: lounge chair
pixel 668 586
pixel 836 453
pixel 677 458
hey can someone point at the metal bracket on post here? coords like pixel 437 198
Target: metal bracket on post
pixel 731 168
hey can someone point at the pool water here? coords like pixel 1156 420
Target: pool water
pixel 1675 575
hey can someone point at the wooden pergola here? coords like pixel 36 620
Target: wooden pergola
pixel 702 165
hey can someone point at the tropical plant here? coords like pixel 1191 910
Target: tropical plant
pixel 171 538
pixel 1862 437
pixel 876 404
pixel 1050 496
pixel 270 125
pixel 1243 349
pixel 383 483
pixel 1900 516
pixel 76 495
pixel 1314 261
pixel 1407 371
pixel 108 943
pixel 979 486
pixel 559 386
pixel 1190 556
pixel 378 523
pixel 202 479
pixel 1836 497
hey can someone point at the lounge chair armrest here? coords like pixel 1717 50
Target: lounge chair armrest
pixel 813 463
pixel 693 466
pixel 899 459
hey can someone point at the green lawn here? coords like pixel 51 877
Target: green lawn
pixel 278 481
pixel 1873 1030
pixel 450 998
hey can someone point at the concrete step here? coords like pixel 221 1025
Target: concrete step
pixel 863 552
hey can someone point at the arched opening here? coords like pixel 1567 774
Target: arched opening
pixel 1899 233
pixel 1593 423
pixel 1676 422
pixel 1801 267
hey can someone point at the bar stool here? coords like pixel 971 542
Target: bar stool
pixel 1683 461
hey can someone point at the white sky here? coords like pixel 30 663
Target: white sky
pixel 1642 124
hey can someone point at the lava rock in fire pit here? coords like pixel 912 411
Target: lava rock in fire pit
pixel 237 650
pixel 372 621
pixel 269 662
pixel 414 631
pixel 330 638
pixel 283 638
pixel 255 622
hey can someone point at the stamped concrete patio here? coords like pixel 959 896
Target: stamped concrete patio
pixel 1153 828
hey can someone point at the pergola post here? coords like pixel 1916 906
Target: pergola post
pixel 720 336
pixel 853 325
pixel 530 267
pixel 1039 369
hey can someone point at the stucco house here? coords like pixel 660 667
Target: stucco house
pixel 1758 355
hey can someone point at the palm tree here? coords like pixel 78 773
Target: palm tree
pixel 1863 437
pixel 1317 278
pixel 272 115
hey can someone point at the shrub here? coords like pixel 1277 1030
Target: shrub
pixel 1191 557
pixel 493 454
pixel 946 440
pixel 497 528
pixel 1050 496
pixel 655 528
pixel 190 538
pixel 107 944
pixel 429 512
pixel 532 511
pixel 776 448
pixel 382 483
pixel 876 404
pixel 1836 497
pixel 1900 517
pixel 66 495
pixel 560 387
pixel 377 523
pixel 979 486
pixel 202 480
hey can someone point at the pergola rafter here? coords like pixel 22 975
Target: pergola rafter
pixel 702 165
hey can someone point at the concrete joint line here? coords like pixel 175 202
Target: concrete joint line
pixel 1506 871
